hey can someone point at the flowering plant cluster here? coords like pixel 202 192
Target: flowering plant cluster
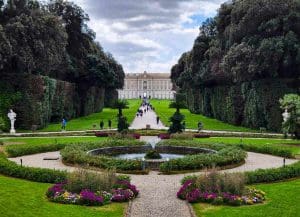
pixel 201 135
pixel 192 194
pixel 164 136
pixel 101 134
pixel 122 191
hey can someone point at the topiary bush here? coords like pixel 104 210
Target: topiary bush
pixel 152 154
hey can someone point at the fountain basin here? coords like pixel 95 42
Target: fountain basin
pixel 138 153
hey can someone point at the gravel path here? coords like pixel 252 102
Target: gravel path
pixel 148 118
pixel 157 192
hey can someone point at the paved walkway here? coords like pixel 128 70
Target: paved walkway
pixel 157 192
pixel 148 118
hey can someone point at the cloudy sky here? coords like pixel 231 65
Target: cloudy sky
pixel 147 34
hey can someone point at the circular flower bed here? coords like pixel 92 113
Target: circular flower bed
pixel 220 189
pixel 122 191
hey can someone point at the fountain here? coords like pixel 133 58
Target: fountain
pixel 138 152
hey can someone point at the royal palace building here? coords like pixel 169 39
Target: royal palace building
pixel 150 85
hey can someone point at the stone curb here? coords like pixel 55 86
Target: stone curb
pixel 128 209
pixel 191 210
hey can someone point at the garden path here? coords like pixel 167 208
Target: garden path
pixel 157 192
pixel 148 117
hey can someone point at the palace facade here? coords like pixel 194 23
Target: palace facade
pixel 150 85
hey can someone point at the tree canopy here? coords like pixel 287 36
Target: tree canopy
pixel 54 40
pixel 247 40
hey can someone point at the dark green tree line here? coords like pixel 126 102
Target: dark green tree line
pixel 249 44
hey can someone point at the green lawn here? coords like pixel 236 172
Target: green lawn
pixel 48 140
pixel 88 122
pixel 191 120
pixel 27 199
pixel 294 145
pixel 282 201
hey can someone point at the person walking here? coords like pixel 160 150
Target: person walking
pixel 157 120
pixel 101 124
pixel 63 124
pixel 109 124
pixel 200 126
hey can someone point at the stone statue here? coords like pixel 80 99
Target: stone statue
pixel 285 115
pixel 12 117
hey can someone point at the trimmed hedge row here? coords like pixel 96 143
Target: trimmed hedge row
pixel 262 148
pixel 273 175
pixel 27 149
pixel 12 169
pixel 77 154
pixel 268 149
pixel 265 175
pixel 226 156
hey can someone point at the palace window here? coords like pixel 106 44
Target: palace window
pixel 145 85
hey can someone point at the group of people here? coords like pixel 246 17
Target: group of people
pixel 102 124
pixel 64 124
pixel 145 107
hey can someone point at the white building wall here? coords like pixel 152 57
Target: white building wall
pixel 156 88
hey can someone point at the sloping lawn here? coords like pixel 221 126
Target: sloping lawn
pixel 282 201
pixel 27 199
pixel 88 122
pixel 164 112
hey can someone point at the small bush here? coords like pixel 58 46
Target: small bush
pixel 152 154
pixel 164 136
pixel 182 136
pixel 94 182
pixel 219 189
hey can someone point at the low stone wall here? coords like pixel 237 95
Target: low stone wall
pixel 112 151
pixel 152 164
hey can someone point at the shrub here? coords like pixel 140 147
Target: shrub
pixel 26 149
pixel 219 188
pixel 77 154
pixel 268 149
pixel 274 174
pixel 93 182
pixel 201 135
pixel 182 136
pixel 118 191
pixel 89 198
pixel 152 154
pixel 164 136
pixel 101 134
pixel 123 178
pixel 10 168
pixel 226 155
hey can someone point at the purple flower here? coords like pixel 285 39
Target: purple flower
pixel 121 195
pixel 89 198
pixel 193 196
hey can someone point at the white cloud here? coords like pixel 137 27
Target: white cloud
pixel 150 35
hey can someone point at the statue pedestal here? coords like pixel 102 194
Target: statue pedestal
pixel 12 131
